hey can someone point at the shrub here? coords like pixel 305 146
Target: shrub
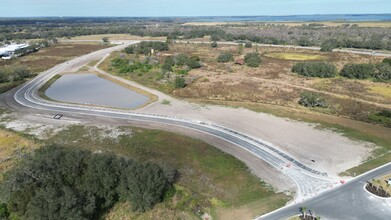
pixel 248 44
pixel 193 62
pixel 252 59
pixel 179 82
pixel 315 69
pixel 358 71
pixel 225 57
pixel 213 44
pixel 383 117
pixel 383 72
pixel 14 73
pixel 310 99
pixel 326 47
pixel 145 47
pixel 387 60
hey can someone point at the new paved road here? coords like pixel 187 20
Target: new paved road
pixel 308 181
pixel 349 201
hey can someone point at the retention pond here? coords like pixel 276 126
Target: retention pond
pixel 90 89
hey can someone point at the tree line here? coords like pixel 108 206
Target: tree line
pixel 379 71
pixel 64 183
pixel 351 36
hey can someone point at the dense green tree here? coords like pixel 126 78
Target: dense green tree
pixel 315 69
pixel 213 44
pixel 252 59
pixel 225 57
pixel 383 71
pixel 358 71
pixel 64 183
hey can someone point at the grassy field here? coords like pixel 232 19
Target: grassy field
pixel 150 79
pixel 296 56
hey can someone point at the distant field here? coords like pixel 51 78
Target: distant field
pixel 296 56
pixel 114 37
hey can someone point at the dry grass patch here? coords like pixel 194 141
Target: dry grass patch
pixel 296 56
pixel 12 146
pixel 381 90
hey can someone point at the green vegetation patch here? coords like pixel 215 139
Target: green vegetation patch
pixel 65 183
pixel 252 59
pixel 146 47
pixel 202 168
pixel 383 117
pixel 315 69
pixel 225 57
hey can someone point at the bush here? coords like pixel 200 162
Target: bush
pixel 4 214
pixel 14 73
pixel 383 117
pixel 145 47
pixel 387 60
pixel 252 59
pixel 315 69
pixel 310 99
pixel 248 44
pixel 193 62
pixel 358 71
pixel 213 44
pixel 64 183
pixel 125 66
pixel 383 72
pixel 327 47
pixel 225 57
pixel 179 82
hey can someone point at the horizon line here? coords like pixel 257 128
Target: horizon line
pixel 200 16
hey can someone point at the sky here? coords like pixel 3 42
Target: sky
pixel 156 8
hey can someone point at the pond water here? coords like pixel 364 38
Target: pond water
pixel 93 90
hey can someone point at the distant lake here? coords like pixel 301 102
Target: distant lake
pixel 94 90
pixel 304 18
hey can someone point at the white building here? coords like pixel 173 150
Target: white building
pixel 7 51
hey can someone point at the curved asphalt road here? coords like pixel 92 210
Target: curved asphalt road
pixel 309 182
pixel 349 202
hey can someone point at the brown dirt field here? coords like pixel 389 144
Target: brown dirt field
pixel 51 56
pixel 114 37
pixel 274 83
